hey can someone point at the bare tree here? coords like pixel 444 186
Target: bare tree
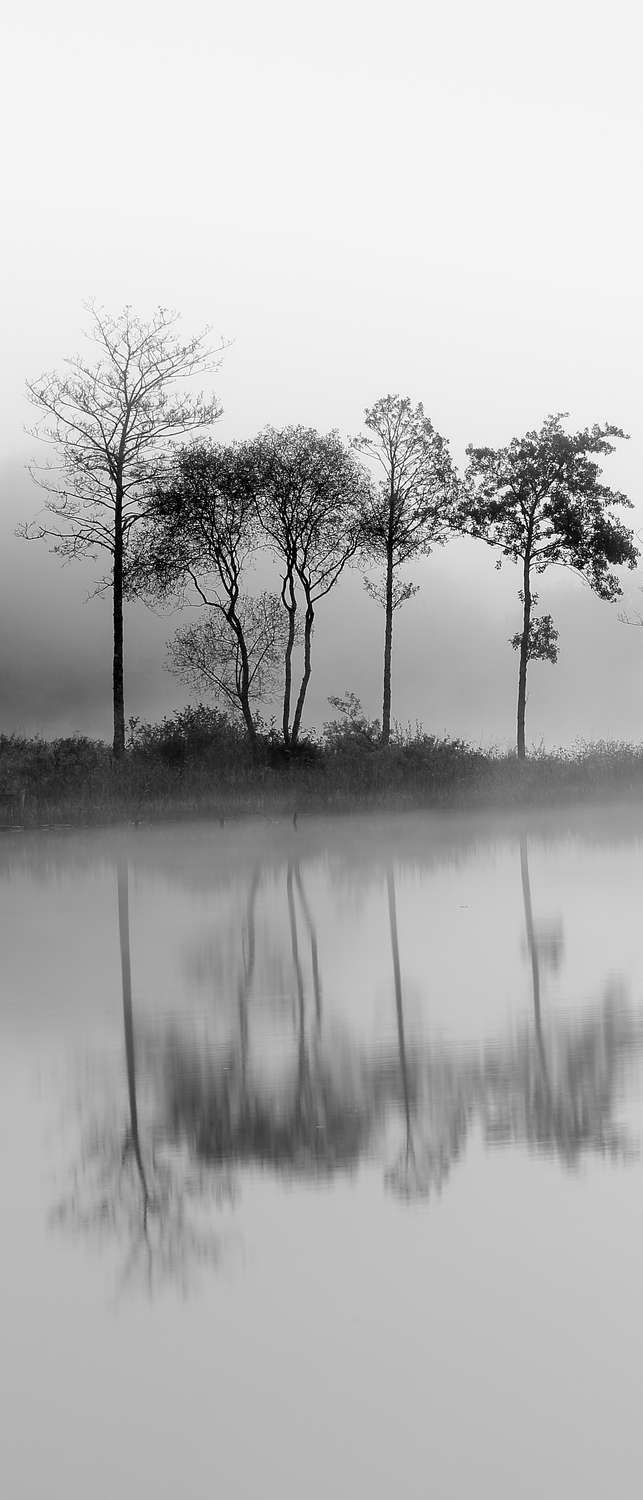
pixel 110 423
pixel 310 492
pixel 408 513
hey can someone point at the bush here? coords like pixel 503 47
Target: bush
pixel 195 732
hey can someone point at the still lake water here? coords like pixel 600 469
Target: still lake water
pixel 320 1160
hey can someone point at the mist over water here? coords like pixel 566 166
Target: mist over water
pixel 321 1157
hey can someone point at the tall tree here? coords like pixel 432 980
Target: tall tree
pixel 202 530
pixel 110 422
pixel 408 513
pixel 540 501
pixel 310 492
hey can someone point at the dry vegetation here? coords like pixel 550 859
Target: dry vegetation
pixel 199 762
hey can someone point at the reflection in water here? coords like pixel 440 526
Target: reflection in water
pixel 560 1095
pixel 331 1103
pixel 427 1155
pixel 152 1168
pixel 248 954
pixel 153 1210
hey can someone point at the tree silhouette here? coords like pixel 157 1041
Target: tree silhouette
pixel 110 424
pixel 309 491
pixel 540 502
pixel 408 513
pixel 559 1094
pixel 203 531
pixel 425 1159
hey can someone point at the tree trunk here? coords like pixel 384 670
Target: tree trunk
pixel 388 650
pixel 244 684
pixel 524 658
pixel 308 630
pixel 290 604
pixel 117 673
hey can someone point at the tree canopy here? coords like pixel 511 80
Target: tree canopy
pixel 540 501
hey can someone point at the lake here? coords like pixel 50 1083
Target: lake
pixel 321 1159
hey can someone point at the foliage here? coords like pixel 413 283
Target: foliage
pixel 310 493
pixel 540 502
pixel 195 732
pixel 540 499
pixel 352 729
pixel 207 654
pixel 542 639
pixel 409 511
pixel 202 528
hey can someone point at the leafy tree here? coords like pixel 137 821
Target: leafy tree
pixel 310 491
pixel 540 501
pixel 203 528
pixel 110 422
pixel 207 654
pixel 408 512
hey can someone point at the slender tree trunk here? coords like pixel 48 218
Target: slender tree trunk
pixel 117 673
pixel 244 682
pixel 388 649
pixel 308 631
pixel 524 658
pixel 290 604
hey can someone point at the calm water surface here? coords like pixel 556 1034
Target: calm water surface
pixel 320 1153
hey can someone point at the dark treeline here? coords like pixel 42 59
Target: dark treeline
pixel 186 520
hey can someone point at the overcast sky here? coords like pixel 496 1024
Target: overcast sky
pixel 440 200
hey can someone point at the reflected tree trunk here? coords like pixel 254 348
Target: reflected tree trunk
pixel 401 1038
pixel 247 974
pixel 302 1065
pixel 532 947
pixel 133 1140
pixel 314 953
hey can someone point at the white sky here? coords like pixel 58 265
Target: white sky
pixel 439 200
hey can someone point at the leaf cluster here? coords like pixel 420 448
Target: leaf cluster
pixel 540 500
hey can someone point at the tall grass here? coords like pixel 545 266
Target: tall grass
pixel 198 761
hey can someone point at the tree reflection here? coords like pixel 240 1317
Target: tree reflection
pixel 559 1091
pixel 310 1100
pixel 431 1145
pixel 331 1104
pixel 248 960
pixel 143 1195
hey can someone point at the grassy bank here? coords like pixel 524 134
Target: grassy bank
pixel 198 762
